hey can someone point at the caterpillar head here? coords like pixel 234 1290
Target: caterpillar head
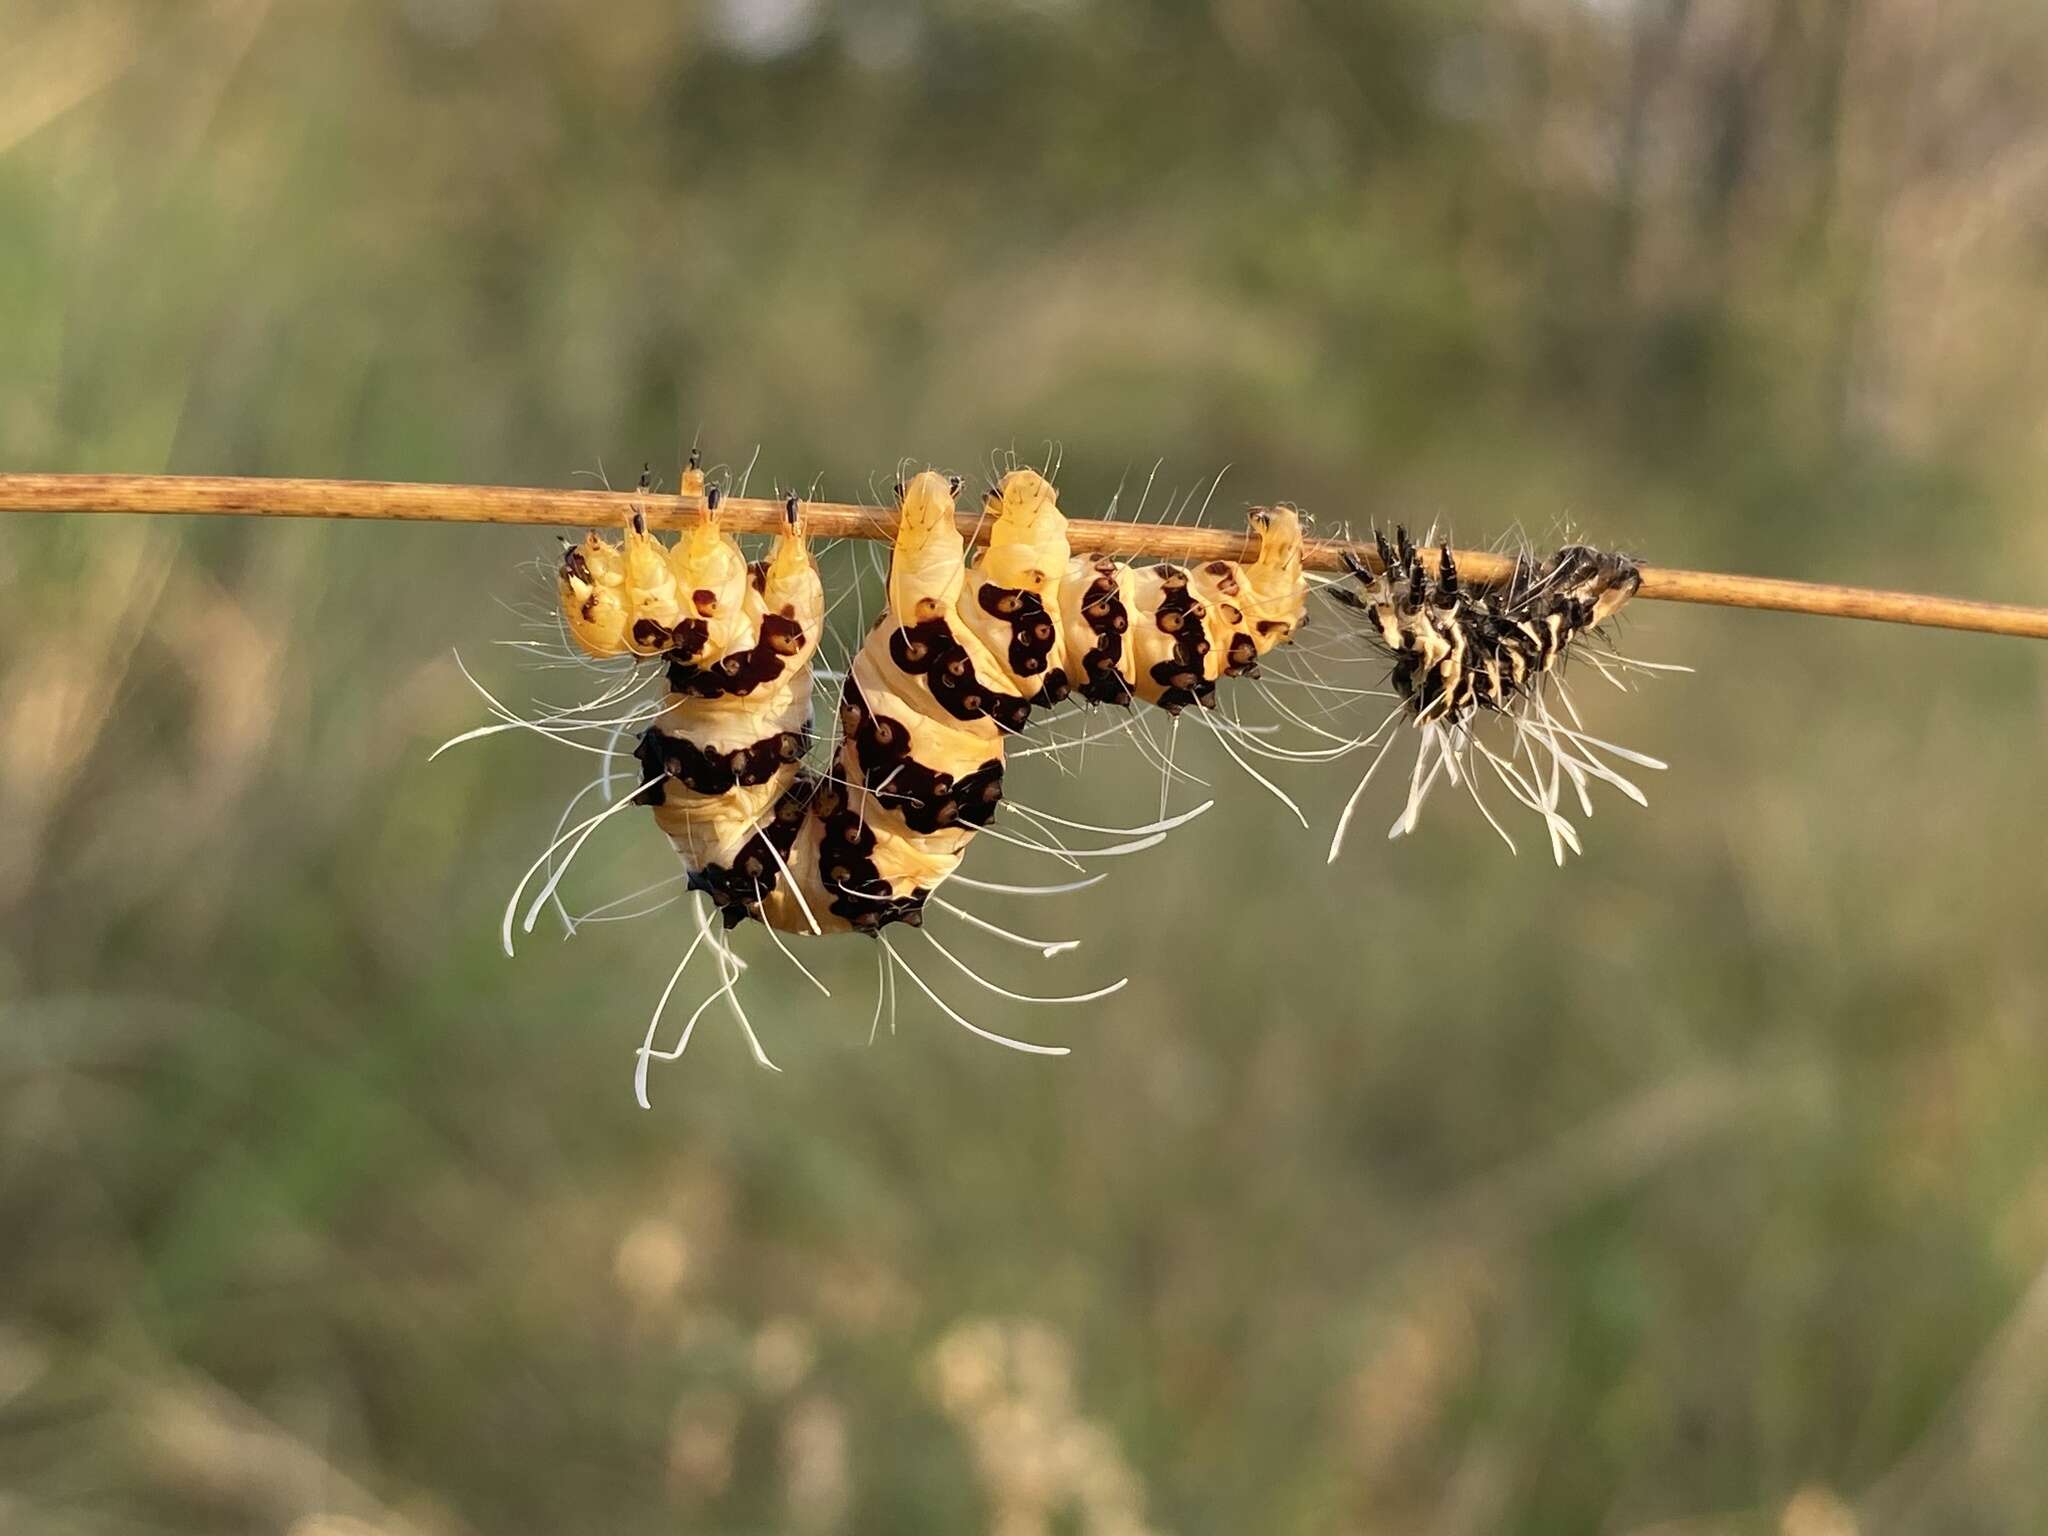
pixel 591 584
pixel 925 570
pixel 1602 581
pixel 1273 594
pixel 620 598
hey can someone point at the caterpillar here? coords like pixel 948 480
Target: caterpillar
pixel 953 667
pixel 1464 652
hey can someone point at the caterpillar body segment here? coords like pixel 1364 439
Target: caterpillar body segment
pixel 1012 601
pixel 1216 620
pixel 1096 604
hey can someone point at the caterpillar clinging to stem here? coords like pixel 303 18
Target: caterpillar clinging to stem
pixel 951 669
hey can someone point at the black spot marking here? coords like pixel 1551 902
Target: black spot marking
pixel 1103 611
pixel 662 756
pixel 929 649
pixel 1182 675
pixel 687 640
pixel 742 672
pixel 1226 576
pixel 1032 631
pixel 926 798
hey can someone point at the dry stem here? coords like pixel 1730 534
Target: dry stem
pixel 254 497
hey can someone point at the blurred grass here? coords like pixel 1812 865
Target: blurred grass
pixel 1702 1187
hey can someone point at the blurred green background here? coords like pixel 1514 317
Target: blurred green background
pixel 1699 1187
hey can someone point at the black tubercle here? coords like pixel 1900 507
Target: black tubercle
pixel 1182 675
pixel 1032 631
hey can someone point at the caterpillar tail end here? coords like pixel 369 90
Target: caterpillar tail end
pixel 1027 547
pixel 789 561
pixel 925 569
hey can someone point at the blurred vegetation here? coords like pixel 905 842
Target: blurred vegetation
pixel 1701 1187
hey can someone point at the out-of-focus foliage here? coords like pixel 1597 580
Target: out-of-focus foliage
pixel 1702 1186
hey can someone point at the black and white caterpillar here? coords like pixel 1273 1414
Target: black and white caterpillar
pixel 1465 652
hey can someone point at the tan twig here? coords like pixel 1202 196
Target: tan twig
pixel 252 497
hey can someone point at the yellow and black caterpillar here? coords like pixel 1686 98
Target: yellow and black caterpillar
pixel 954 665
